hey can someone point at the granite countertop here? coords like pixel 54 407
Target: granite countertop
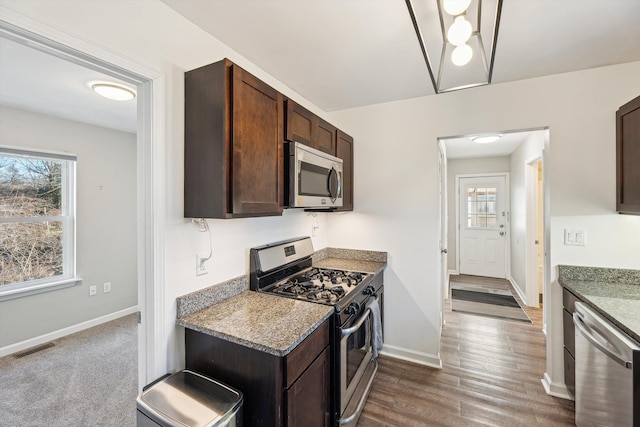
pixel 615 296
pixel 268 323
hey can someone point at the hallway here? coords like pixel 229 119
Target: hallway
pixel 490 377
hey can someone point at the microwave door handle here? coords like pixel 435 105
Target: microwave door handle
pixel 334 184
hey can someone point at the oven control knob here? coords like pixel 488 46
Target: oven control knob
pixel 353 308
pixel 369 290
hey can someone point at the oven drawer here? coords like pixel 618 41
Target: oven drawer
pixel 306 352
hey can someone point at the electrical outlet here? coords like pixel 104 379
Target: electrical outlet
pixel 93 290
pixel 201 268
pixel 107 287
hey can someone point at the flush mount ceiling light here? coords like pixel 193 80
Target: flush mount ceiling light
pixel 486 139
pixel 113 91
pixel 469 34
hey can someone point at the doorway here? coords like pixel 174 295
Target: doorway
pixel 535 232
pixel 482 225
pixel 149 170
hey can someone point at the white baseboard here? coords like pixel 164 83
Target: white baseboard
pixel 420 358
pixel 555 389
pixel 517 288
pixel 32 342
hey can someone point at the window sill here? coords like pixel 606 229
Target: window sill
pixel 39 288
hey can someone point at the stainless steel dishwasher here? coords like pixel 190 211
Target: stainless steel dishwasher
pixel 607 385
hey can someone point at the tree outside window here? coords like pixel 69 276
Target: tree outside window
pixel 36 218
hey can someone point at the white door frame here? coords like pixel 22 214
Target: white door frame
pixel 443 270
pixel 531 249
pixel 152 357
pixel 507 227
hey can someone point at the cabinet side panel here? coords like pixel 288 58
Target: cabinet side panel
pixel 344 150
pixel 628 157
pixel 205 145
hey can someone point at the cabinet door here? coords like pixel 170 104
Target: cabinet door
pixel 308 398
pixel 628 157
pixel 325 137
pixel 257 156
pixel 300 124
pixel 344 150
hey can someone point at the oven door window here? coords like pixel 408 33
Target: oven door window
pixel 313 180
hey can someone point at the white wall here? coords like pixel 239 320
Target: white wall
pixel 459 167
pixel 105 227
pixel 530 148
pixel 396 164
pixel 399 199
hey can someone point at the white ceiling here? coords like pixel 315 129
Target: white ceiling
pixel 37 81
pixel 348 53
pixel 463 146
pixel 343 53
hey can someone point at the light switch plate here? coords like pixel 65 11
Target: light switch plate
pixel 575 237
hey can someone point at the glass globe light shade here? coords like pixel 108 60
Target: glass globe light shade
pixel 455 7
pixel 459 32
pixel 461 55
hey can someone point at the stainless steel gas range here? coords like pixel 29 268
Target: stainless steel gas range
pixel 285 269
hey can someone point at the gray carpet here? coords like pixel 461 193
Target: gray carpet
pixel 88 379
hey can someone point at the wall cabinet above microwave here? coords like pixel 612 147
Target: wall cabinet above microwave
pixel 301 125
pixel 234 142
pixel 628 158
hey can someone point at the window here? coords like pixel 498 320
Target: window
pixel 37 242
pixel 481 207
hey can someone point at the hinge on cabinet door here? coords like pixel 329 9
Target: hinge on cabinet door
pixel 139 317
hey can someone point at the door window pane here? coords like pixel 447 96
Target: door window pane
pixel 481 207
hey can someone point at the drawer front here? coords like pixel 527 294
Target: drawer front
pixel 569 301
pixel 306 352
pixel 570 373
pixel 569 332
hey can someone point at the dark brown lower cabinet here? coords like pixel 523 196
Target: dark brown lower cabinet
pixel 292 390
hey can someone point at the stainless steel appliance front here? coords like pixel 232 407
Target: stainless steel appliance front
pixel 315 178
pixel 606 381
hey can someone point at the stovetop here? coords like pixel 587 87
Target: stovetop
pixel 325 286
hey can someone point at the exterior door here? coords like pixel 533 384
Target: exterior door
pixel 483 226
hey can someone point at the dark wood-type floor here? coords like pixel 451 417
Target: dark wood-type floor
pixel 490 377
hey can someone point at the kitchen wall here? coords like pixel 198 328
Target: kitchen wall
pixel 396 168
pixel 399 202
pixel 461 167
pixel 105 227
pixel 527 151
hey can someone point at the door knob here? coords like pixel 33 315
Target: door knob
pixel 501 225
pixel 502 233
pixel 444 251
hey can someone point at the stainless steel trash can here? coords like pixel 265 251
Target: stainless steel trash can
pixel 188 399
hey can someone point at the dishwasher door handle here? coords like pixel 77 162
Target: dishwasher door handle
pixel 582 328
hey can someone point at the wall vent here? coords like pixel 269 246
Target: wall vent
pixel 33 350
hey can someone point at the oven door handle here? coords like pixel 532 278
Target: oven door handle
pixel 359 322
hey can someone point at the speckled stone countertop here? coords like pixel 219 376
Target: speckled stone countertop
pixel 269 323
pixel 614 293
pixel 260 321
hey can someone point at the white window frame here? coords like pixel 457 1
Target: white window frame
pixel 68 219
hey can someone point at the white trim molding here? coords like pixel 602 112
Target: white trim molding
pixel 517 288
pixel 60 333
pixel 431 360
pixel 555 389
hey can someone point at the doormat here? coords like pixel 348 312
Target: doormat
pixel 496 303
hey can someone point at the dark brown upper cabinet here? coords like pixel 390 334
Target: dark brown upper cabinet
pixel 305 127
pixel 628 158
pixel 344 150
pixel 233 144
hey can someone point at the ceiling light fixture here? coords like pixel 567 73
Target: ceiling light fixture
pixel 113 91
pixel 464 27
pixel 486 139
pixel 455 7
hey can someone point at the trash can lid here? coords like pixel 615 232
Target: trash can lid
pixel 187 398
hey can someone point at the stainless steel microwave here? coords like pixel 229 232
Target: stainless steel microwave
pixel 314 178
